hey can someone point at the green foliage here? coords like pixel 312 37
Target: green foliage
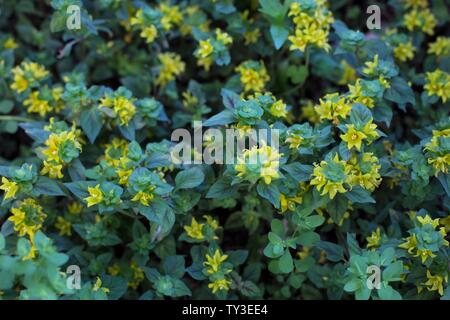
pixel 356 191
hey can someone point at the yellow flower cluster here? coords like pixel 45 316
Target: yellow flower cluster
pixel 420 18
pixel 332 107
pixel 205 48
pixel 10 188
pixel 373 241
pixel 258 163
pixel 411 242
pixel 137 275
pixel 27 74
pixel 172 16
pixel 364 172
pixel 441 47
pixel 404 51
pixel 37 104
pixel 435 282
pixel 330 185
pixel 171 66
pixel 439 159
pixel 354 137
pixel 438 83
pixel 148 31
pixel 28 219
pixel 96 196
pixel 310 27
pixel 213 264
pixel 123 108
pixel 55 151
pixel 196 231
pixel 254 76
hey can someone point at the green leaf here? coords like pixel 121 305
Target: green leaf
pixel 360 115
pixel 189 178
pixel 334 252
pixel 6 106
pixel 220 119
pixel 221 189
pixel 47 186
pixel 269 192
pixel 337 207
pixel 174 266
pixel 285 263
pixel 359 195
pixel 91 123
pixel 386 292
pixel 299 172
pixel 279 35
pixel 400 92
pixel 393 272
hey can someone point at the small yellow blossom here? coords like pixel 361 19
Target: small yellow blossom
pixel 195 230
pixel 213 262
pixel 10 188
pixel 95 196
pixel 220 284
pixel 64 226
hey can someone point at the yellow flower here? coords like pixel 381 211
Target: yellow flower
pixel 440 160
pixel 138 275
pixel 289 203
pixel 353 137
pixel 214 262
pixel 171 66
pixel 435 282
pixel 223 37
pixel 259 163
pixel 195 230
pixel 189 100
pixel 369 178
pixel 420 18
pixel 149 33
pixel 310 28
pixel 143 197
pixel 98 285
pixel 410 244
pixel 371 66
pixel 427 220
pixel 373 241
pixel 64 226
pixel 438 83
pixel 53 170
pixel 10 43
pixel 74 207
pixel 441 47
pixel 356 95
pixel 28 217
pixel 95 196
pixel 123 108
pixel 171 16
pixel 333 107
pixel 404 51
pixel 278 109
pixel 10 188
pixel 213 223
pixel 220 284
pixel 205 48
pixel 114 270
pixel 334 185
pixel 251 37
pixel 253 78
pixel 348 75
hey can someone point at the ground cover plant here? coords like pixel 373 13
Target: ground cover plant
pixel 352 204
